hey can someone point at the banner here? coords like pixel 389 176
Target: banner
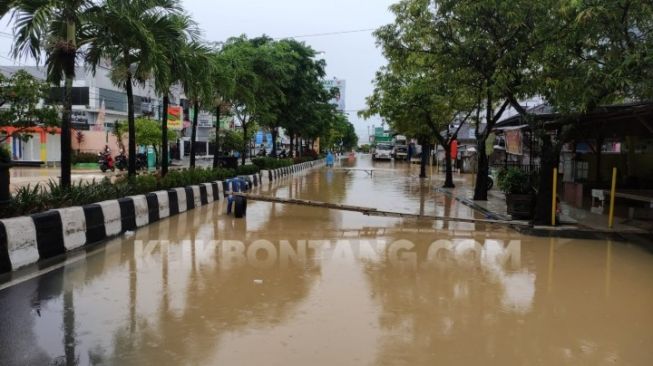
pixel 514 142
pixel 175 116
pixel 337 86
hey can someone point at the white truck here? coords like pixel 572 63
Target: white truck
pixel 383 151
pixel 401 147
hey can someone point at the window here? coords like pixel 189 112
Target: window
pixel 113 100
pixel 80 95
pixel 582 170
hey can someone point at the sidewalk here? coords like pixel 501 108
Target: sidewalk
pixel 575 222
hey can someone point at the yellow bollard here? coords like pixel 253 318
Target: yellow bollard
pixel 613 191
pixel 554 203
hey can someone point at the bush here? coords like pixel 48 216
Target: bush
pixel 269 163
pixel 38 198
pixel 81 158
pixel 515 181
pixel 247 169
pixel 5 155
pixel 303 159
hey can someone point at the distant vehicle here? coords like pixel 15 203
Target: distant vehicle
pixel 383 152
pixel 401 147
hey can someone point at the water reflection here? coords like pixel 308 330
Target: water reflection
pixel 296 285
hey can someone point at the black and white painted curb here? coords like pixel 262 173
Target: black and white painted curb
pixel 276 174
pixel 28 239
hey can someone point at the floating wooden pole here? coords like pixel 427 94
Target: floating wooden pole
pixel 369 211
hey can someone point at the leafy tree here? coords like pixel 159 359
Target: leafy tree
pixel 126 32
pixel 197 86
pixel 222 86
pixel 420 104
pixel 600 56
pixel 491 45
pixel 231 140
pixel 304 109
pixel 56 28
pixel 255 71
pixel 172 65
pixel 148 133
pixel 341 134
pixel 21 96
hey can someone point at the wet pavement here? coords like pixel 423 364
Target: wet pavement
pixel 293 285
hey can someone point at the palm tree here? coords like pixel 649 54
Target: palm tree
pixel 197 86
pixel 56 28
pixel 222 84
pixel 126 33
pixel 172 65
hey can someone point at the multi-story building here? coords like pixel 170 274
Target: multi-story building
pixel 97 105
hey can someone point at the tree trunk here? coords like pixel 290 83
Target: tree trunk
pixel 480 189
pixel 216 148
pixel 245 144
pixel 275 132
pixel 448 180
pixel 424 159
pixel 193 133
pixel 131 124
pixel 164 136
pixel 549 160
pixel 292 144
pixel 71 36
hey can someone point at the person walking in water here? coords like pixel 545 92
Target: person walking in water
pixel 329 159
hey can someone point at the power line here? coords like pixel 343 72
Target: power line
pixel 330 33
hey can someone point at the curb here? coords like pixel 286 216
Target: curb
pixel 558 232
pixel 27 240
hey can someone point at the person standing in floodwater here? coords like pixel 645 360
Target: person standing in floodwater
pixel 329 159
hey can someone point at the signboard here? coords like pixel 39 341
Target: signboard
pixel 513 142
pixel 175 116
pixel 340 87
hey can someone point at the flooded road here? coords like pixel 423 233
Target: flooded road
pixel 294 285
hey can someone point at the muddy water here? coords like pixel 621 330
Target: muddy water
pixel 304 286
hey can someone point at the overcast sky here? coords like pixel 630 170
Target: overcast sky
pixel 350 56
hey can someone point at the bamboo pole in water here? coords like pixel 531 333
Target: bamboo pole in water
pixel 369 211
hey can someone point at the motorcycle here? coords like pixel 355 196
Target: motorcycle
pixel 141 161
pixel 106 162
pixel 121 161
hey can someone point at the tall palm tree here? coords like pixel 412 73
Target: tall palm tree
pixel 172 65
pixel 56 28
pixel 197 86
pixel 126 32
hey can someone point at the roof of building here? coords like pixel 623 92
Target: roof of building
pixel 634 119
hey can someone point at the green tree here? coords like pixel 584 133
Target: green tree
pixel 491 45
pixel 601 55
pixel 222 86
pixel 172 65
pixel 197 86
pixel 421 104
pixel 125 32
pixel 56 28
pixel 255 70
pixel 303 108
pixel 148 133
pixel 21 96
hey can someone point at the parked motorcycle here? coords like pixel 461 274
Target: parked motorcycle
pixel 121 161
pixel 141 161
pixel 106 162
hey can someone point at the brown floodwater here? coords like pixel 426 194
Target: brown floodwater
pixel 292 285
